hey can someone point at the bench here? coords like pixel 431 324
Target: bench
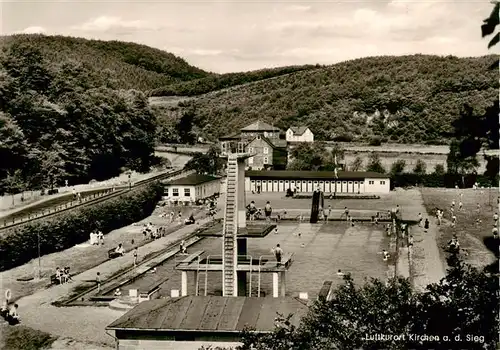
pixel 113 254
pixel 190 258
pixel 325 291
pixel 54 279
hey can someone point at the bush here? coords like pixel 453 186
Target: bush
pixel 69 229
pixel 438 180
pixel 375 141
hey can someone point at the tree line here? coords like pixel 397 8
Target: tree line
pixel 61 121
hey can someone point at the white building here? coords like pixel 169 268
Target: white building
pixel 192 187
pixel 299 134
pixel 308 181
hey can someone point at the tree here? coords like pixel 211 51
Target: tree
pixel 375 164
pixel 185 127
pixel 420 167
pixel 398 167
pixel 206 163
pixel 357 164
pixel 439 169
pixel 464 303
pixel 307 156
pixel 334 158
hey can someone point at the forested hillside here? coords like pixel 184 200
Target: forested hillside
pixel 126 65
pixel 405 99
pixel 218 82
pixel 61 120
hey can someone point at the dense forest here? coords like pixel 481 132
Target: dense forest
pixel 126 65
pixel 60 120
pixel 218 82
pixel 404 99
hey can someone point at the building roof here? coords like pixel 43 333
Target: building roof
pixel 193 179
pixel 298 130
pixel 260 126
pixel 233 136
pixel 274 143
pixel 210 313
pixel 292 174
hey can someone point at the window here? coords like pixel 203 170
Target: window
pixel 350 182
pixel 266 160
pixel 266 150
pixel 371 182
pixel 265 133
pixel 250 149
pixel 258 137
pixel 250 160
pixel 175 192
pixel 382 182
pixel 166 192
pixel 361 182
pixel 281 181
pixel 286 181
pixel 187 192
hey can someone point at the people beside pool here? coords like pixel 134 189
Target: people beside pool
pixel 98 281
pixel 251 210
pixel 120 250
pixel 495 218
pixel 278 253
pixel 346 213
pixel 268 211
pixel 410 241
pixel 190 220
pixel 453 220
pixel 100 237
pixel 118 292
pixel 183 248
pixel 135 256
pixel 494 231
pixel 13 315
pixel 460 205
pixel 385 255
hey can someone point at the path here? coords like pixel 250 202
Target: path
pixel 85 323
pixel 427 266
pixel 34 197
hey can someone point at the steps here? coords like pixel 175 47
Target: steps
pixel 230 229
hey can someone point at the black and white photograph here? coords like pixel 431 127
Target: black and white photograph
pixel 249 174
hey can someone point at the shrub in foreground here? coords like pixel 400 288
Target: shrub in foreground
pixel 68 229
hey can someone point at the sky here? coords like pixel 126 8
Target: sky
pixel 235 35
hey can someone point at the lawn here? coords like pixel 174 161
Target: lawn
pixel 24 338
pixel 82 257
pixel 470 234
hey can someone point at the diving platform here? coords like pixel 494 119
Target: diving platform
pixel 252 230
pixel 246 264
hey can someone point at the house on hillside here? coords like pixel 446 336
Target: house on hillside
pixel 268 153
pixel 262 140
pixel 299 134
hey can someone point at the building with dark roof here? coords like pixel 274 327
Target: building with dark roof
pixel 263 141
pixel 203 320
pixel 299 134
pixel 192 187
pixel 342 182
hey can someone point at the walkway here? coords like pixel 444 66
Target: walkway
pixel 427 265
pixel 34 197
pixel 85 323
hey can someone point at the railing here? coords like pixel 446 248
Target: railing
pixel 97 197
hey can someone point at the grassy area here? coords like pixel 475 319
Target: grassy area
pixel 21 337
pixel 82 257
pixel 471 234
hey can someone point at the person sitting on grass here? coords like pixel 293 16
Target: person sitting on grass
pixel 453 244
pixel 120 250
pixel 340 273
pixel 13 317
pixel 118 292
pixel 385 255
pixel 59 275
pixel 183 248
pixel 190 220
pixel 67 275
pixel 4 311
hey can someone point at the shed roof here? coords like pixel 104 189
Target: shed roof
pixel 260 126
pixel 233 136
pixel 210 313
pixel 298 130
pixel 292 174
pixel 193 179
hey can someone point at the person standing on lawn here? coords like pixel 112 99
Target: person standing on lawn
pixel 98 282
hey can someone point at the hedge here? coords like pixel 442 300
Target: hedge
pixel 441 180
pixel 68 229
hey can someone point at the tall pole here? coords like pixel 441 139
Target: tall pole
pixel 39 257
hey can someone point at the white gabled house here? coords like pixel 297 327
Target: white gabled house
pixel 299 134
